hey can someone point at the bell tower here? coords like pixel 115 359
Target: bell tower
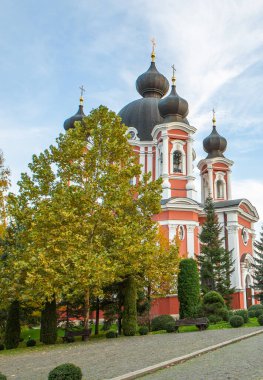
pixel 215 169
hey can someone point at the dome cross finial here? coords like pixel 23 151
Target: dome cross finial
pixel 214 118
pixel 82 90
pixel 173 77
pixel 153 49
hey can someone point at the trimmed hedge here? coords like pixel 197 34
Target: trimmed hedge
pixel 236 321
pixel 2 377
pixel 143 330
pixel 260 320
pixel 160 322
pixel 65 371
pixel 255 310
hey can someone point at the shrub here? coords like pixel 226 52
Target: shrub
pixel 236 321
pixel 243 313
pixel 213 319
pixel 2 346
pixel 214 307
pixel 143 330
pixel 258 312
pixel 12 333
pixel 160 322
pixel 65 372
pixel 260 320
pixel 170 327
pixel 31 343
pixel 253 309
pixel 111 334
pixel 188 288
pixel 2 377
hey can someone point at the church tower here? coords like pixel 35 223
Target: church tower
pixel 215 169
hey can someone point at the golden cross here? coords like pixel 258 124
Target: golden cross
pixel 153 43
pixel 174 70
pixel 214 117
pixel 82 90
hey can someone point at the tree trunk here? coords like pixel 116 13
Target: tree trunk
pixel 149 291
pixel 97 316
pixel 48 330
pixel 129 321
pixel 86 311
pixel 12 333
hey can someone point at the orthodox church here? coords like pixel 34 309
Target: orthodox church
pixel 163 138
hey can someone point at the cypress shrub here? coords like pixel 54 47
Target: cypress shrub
pixel 129 321
pixel 12 333
pixel 253 309
pixel 48 330
pixel 236 321
pixel 161 322
pixel 188 288
pixel 170 327
pixel 65 371
pixel 31 343
pixel 2 377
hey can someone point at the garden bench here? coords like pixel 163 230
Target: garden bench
pixel 200 323
pixel 70 335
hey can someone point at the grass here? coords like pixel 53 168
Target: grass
pixel 34 334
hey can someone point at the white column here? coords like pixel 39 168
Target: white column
pixel 190 156
pixel 233 244
pixel 150 161
pixel 157 174
pixel 229 187
pixel 210 180
pixel 165 174
pixel 190 240
pixel 142 161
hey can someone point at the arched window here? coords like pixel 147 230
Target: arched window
pixel 177 161
pixel 220 188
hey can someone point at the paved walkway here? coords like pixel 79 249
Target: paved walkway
pixel 105 359
pixel 240 361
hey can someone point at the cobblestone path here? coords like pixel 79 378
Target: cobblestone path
pixel 105 359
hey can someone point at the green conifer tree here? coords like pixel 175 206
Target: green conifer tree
pixel 258 268
pixel 12 333
pixel 215 261
pixel 188 288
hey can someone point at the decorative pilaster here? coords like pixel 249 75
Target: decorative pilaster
pixel 150 161
pixel 190 240
pixel 142 161
pixel 233 245
pixel 165 174
pixel 210 180
pixel 229 187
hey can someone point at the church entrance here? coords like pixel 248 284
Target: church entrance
pixel 248 292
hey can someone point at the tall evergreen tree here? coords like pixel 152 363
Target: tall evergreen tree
pixel 188 288
pixel 215 261
pixel 258 268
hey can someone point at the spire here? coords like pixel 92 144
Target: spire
pixel 214 118
pixel 173 77
pixel 81 99
pixel 153 49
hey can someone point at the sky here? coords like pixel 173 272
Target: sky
pixel 48 49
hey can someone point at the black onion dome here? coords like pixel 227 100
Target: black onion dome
pixel 143 115
pixel 214 144
pixel 152 83
pixel 173 107
pixel 69 123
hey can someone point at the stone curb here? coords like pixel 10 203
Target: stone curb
pixel 180 359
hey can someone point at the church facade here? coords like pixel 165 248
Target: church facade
pixel 163 138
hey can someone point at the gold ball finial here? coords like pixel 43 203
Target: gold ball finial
pixel 214 118
pixel 81 99
pixel 173 77
pixel 153 49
